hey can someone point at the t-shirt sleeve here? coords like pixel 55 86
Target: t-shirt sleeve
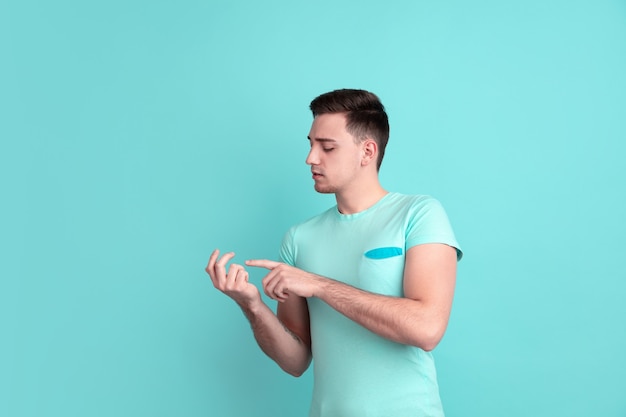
pixel 429 223
pixel 287 252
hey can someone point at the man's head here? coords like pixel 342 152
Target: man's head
pixel 365 115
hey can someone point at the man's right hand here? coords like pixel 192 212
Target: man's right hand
pixel 234 283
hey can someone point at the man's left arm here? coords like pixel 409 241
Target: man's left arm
pixel 419 318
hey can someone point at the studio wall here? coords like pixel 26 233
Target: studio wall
pixel 138 136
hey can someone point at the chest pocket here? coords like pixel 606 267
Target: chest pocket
pixel 382 253
pixel 382 271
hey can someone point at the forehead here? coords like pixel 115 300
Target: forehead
pixel 329 126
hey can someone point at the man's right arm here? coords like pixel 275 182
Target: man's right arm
pixel 280 337
pixel 284 337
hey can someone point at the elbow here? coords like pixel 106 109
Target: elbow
pixel 428 338
pixel 428 345
pixel 432 338
pixel 297 373
pixel 297 369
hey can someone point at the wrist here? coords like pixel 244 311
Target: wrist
pixel 251 305
pixel 321 286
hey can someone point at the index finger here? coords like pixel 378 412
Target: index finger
pixel 211 265
pixel 262 263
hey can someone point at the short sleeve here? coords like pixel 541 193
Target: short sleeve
pixel 287 252
pixel 429 223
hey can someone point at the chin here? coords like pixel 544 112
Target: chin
pixel 324 189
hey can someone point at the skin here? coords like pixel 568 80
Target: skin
pixel 346 167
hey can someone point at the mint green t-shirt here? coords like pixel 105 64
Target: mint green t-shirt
pixel 356 372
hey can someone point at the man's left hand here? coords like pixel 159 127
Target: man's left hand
pixel 283 280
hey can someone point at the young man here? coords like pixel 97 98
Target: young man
pixel 366 287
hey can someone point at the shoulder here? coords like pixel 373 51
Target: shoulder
pixel 427 222
pixel 412 202
pixel 310 225
pixel 416 210
pixel 302 232
pixel 315 221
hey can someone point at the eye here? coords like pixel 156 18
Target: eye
pixel 328 149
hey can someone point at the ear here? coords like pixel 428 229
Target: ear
pixel 370 152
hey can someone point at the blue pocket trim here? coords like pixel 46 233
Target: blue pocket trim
pixel 382 253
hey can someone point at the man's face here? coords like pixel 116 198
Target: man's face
pixel 335 156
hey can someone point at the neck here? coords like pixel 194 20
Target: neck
pixel 359 198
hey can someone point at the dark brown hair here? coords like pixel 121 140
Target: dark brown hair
pixel 365 115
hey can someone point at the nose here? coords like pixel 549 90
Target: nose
pixel 312 158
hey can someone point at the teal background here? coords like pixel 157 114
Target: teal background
pixel 137 136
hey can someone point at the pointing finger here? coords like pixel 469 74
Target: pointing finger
pixel 262 263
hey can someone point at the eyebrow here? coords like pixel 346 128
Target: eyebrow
pixel 322 139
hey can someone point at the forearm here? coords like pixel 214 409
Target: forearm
pixel 402 320
pixel 282 345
